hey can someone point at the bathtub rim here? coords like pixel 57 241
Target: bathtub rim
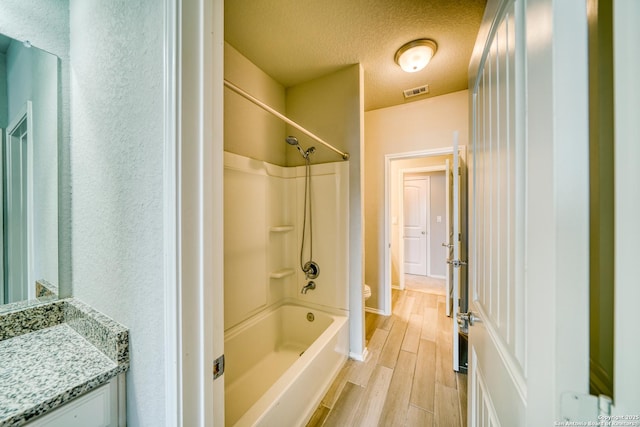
pixel 340 324
pixel 266 311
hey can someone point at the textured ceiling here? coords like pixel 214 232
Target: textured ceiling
pixel 295 41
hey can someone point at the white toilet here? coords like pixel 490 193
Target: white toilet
pixel 367 292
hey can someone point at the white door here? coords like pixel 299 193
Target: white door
pixel 415 227
pixel 496 376
pixel 529 263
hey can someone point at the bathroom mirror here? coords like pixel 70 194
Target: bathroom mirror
pixel 30 129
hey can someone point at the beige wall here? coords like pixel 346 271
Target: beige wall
pixel 249 130
pixel 438 230
pixel 417 126
pixel 329 108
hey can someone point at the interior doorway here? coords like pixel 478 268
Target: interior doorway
pixel 424 230
pixel 433 221
pixel 412 261
pixel 397 167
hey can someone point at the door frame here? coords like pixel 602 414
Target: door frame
pixel 388 158
pixel 626 397
pixel 193 225
pixel 401 178
pixel 25 114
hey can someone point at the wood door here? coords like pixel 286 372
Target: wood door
pixel 415 227
pixel 497 390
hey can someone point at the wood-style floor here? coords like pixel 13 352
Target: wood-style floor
pixel 407 378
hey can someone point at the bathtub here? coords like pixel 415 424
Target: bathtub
pixel 279 365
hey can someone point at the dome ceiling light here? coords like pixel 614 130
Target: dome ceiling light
pixel 415 55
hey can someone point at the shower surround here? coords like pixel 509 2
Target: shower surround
pixel 263 231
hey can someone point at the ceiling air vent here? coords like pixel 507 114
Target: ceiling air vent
pixel 421 90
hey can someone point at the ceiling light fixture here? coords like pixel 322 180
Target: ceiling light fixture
pixel 415 55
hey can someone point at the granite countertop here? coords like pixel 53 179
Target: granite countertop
pixel 54 353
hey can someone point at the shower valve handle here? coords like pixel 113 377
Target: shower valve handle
pixel 311 270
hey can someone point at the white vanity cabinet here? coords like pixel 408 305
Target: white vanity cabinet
pixel 102 407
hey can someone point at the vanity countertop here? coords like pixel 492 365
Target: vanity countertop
pixel 54 361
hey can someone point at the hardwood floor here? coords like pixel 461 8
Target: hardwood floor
pixel 427 284
pixel 407 378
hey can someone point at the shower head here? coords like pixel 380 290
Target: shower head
pixel 292 140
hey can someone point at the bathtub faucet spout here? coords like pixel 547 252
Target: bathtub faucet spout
pixel 311 285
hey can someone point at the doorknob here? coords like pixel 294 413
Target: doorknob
pixel 456 262
pixel 467 319
pixel 424 232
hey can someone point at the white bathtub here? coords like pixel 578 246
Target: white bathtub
pixel 279 365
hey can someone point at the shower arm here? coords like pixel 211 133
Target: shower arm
pixel 236 89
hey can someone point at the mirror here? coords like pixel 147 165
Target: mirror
pixel 29 124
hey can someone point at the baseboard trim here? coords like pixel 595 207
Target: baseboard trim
pixel 359 357
pixel 374 310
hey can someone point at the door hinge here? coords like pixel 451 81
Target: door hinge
pixel 218 367
pixel 459 171
pixel 584 407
